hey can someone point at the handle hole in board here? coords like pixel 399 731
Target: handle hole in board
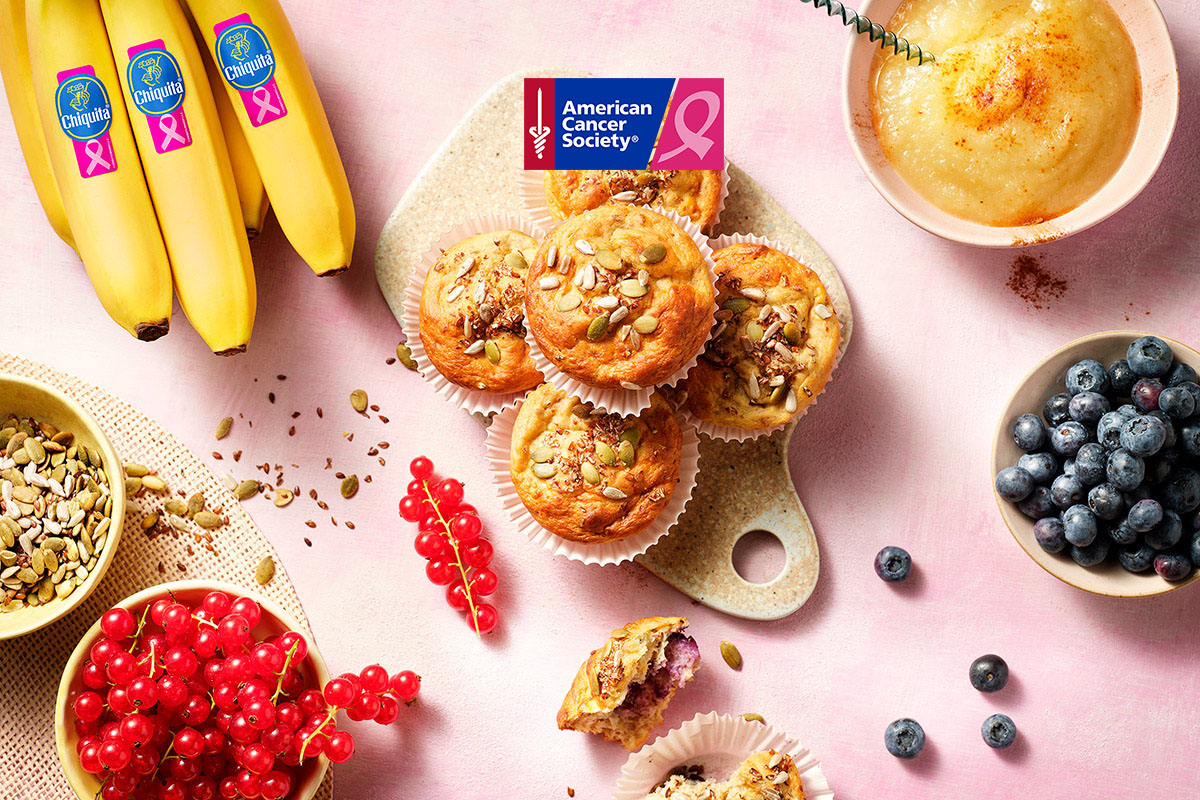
pixel 758 556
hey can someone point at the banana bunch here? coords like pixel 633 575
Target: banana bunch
pixel 156 132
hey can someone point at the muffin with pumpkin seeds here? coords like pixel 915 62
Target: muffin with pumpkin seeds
pixel 619 297
pixel 692 193
pixel 472 316
pixel 589 476
pixel 774 345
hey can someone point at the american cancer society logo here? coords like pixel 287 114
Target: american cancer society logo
pixel 624 123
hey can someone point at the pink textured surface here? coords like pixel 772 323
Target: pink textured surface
pixel 1103 690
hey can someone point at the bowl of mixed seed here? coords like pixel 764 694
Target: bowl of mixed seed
pixel 61 509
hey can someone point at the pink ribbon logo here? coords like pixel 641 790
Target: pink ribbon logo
pixel 168 126
pixel 685 145
pixel 261 97
pixel 96 158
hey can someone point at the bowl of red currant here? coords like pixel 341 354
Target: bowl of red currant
pixel 197 690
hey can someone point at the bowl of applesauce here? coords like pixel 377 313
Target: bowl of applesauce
pixel 1036 120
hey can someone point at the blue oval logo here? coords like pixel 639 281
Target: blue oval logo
pixel 155 82
pixel 245 56
pixel 84 110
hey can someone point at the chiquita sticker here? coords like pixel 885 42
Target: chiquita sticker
pixel 85 115
pixel 248 65
pixel 156 89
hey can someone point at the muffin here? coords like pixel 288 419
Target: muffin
pixel 623 688
pixel 473 313
pixel 619 297
pixel 692 193
pixel 593 477
pixel 766 775
pixel 774 345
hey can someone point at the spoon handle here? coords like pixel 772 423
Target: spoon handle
pixel 875 31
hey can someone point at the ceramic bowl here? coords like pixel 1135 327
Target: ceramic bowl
pixel 28 398
pixel 1160 106
pixel 275 620
pixel 1044 381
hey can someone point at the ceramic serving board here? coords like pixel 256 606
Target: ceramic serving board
pixel 742 487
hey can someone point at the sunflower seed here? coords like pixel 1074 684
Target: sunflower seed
pixel 474 347
pixel 544 470
pixel 455 293
pixel 775 761
pixel 613 493
pixel 783 314
pixel 349 486
pixel 540 455
pixel 358 399
pixel 630 385
pixel 778 380
pixel 492 351
pixel 552 256
pixel 753 293
pixel 631 288
pixel 480 292
pixel 752 389
pixel 597 327
pixel 763 313
pixel 587 280
pixel 265 571
pixel 654 253
pixel 645 324
pixel 609 260
pixel 516 262
pixel 783 351
pixel 731 655
pixel 549 282
pixel 589 472
pixel 584 247
pixel 792 403
pixel 608 302
pixel 643 277
pixel 618 315
pixel 568 302
pixel 822 311
pixel 735 305
pixel 627 196
pixel 466 267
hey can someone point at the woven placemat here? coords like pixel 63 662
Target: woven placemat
pixel 32 665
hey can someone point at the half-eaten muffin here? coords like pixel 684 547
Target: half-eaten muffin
pixel 763 776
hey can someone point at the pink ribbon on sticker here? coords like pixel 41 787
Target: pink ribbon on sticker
pixel 95 151
pixel 686 144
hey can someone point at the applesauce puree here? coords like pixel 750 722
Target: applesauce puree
pixel 1030 108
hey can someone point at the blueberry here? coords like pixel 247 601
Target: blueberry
pixel 1014 484
pixel 1122 534
pixel 1189 439
pixel 1108 429
pixel 989 673
pixel 1090 555
pixel 1125 470
pixel 1176 402
pixel 1038 504
pixel 1056 409
pixel 1145 394
pixel 1181 492
pixel 893 564
pixel 1088 375
pixel 1028 432
pixel 999 731
pixel 1143 436
pixel 1088 407
pixel 1121 378
pixel 1067 437
pixel 1161 466
pixel 1137 559
pixel 1192 388
pixel 1168 426
pixel 1149 357
pixel 1080 525
pixel 1194 549
pixel 904 738
pixel 1069 467
pixel 1042 467
pixel 1127 410
pixel 1172 566
pixel 1106 501
pixel 1066 491
pixel 1090 463
pixel 1139 493
pixel 1167 533
pixel 1050 534
pixel 1145 515
pixel 1181 373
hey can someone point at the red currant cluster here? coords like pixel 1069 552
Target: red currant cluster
pixel 186 704
pixel 450 537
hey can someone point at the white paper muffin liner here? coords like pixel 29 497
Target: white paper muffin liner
pixel 531 188
pixel 472 400
pixel 499 440
pixel 626 402
pixel 720 742
pixel 728 433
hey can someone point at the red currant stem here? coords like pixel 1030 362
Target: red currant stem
pixel 166 755
pixel 457 557
pixel 287 662
pixel 329 717
pixel 138 633
pixel 204 621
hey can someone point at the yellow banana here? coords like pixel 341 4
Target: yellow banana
pixel 95 163
pixel 276 103
pixel 18 85
pixel 178 134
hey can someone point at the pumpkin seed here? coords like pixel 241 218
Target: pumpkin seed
pixel 195 504
pixel 735 305
pixel 654 253
pixel 37 453
pixel 631 288
pixel 404 355
pixel 754 718
pixel 754 331
pixel 791 332
pixel 150 521
pixel 283 497
pixel 645 324
pixel 568 302
pixel 544 470
pixel 223 427
pixel 597 327
pixel 627 453
pixel 154 483
pixel 358 399
pixel 132 486
pixel 136 471
pixel 349 486
pixel 776 394
pixel 265 571
pixel 606 454
pixel 609 260
pixel 207 519
pixel 540 455
pixel 176 507
pixel 492 351
pixel 516 262
pixel 632 435
pixel 589 472
pixel 246 489
pixel 731 655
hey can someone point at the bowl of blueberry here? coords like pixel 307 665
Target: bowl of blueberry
pixel 1096 464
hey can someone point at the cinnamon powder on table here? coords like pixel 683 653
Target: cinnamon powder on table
pixel 1033 283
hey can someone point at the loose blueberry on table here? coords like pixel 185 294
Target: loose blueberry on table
pixel 989 673
pixel 1114 473
pixel 999 731
pixel 893 564
pixel 904 738
pixel 187 704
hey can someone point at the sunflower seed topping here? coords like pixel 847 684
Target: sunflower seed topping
pixel 630 385
pixel 753 293
pixel 608 302
pixel 585 247
pixel 480 292
pixel 552 256
pixel 752 389
pixel 474 347
pixel 791 403
pixel 613 493
pixel 549 282
pixel 465 268
pixel 618 315
pixel 822 311
pixel 783 351
pixel 455 293
pixel 588 281
pixel 627 196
